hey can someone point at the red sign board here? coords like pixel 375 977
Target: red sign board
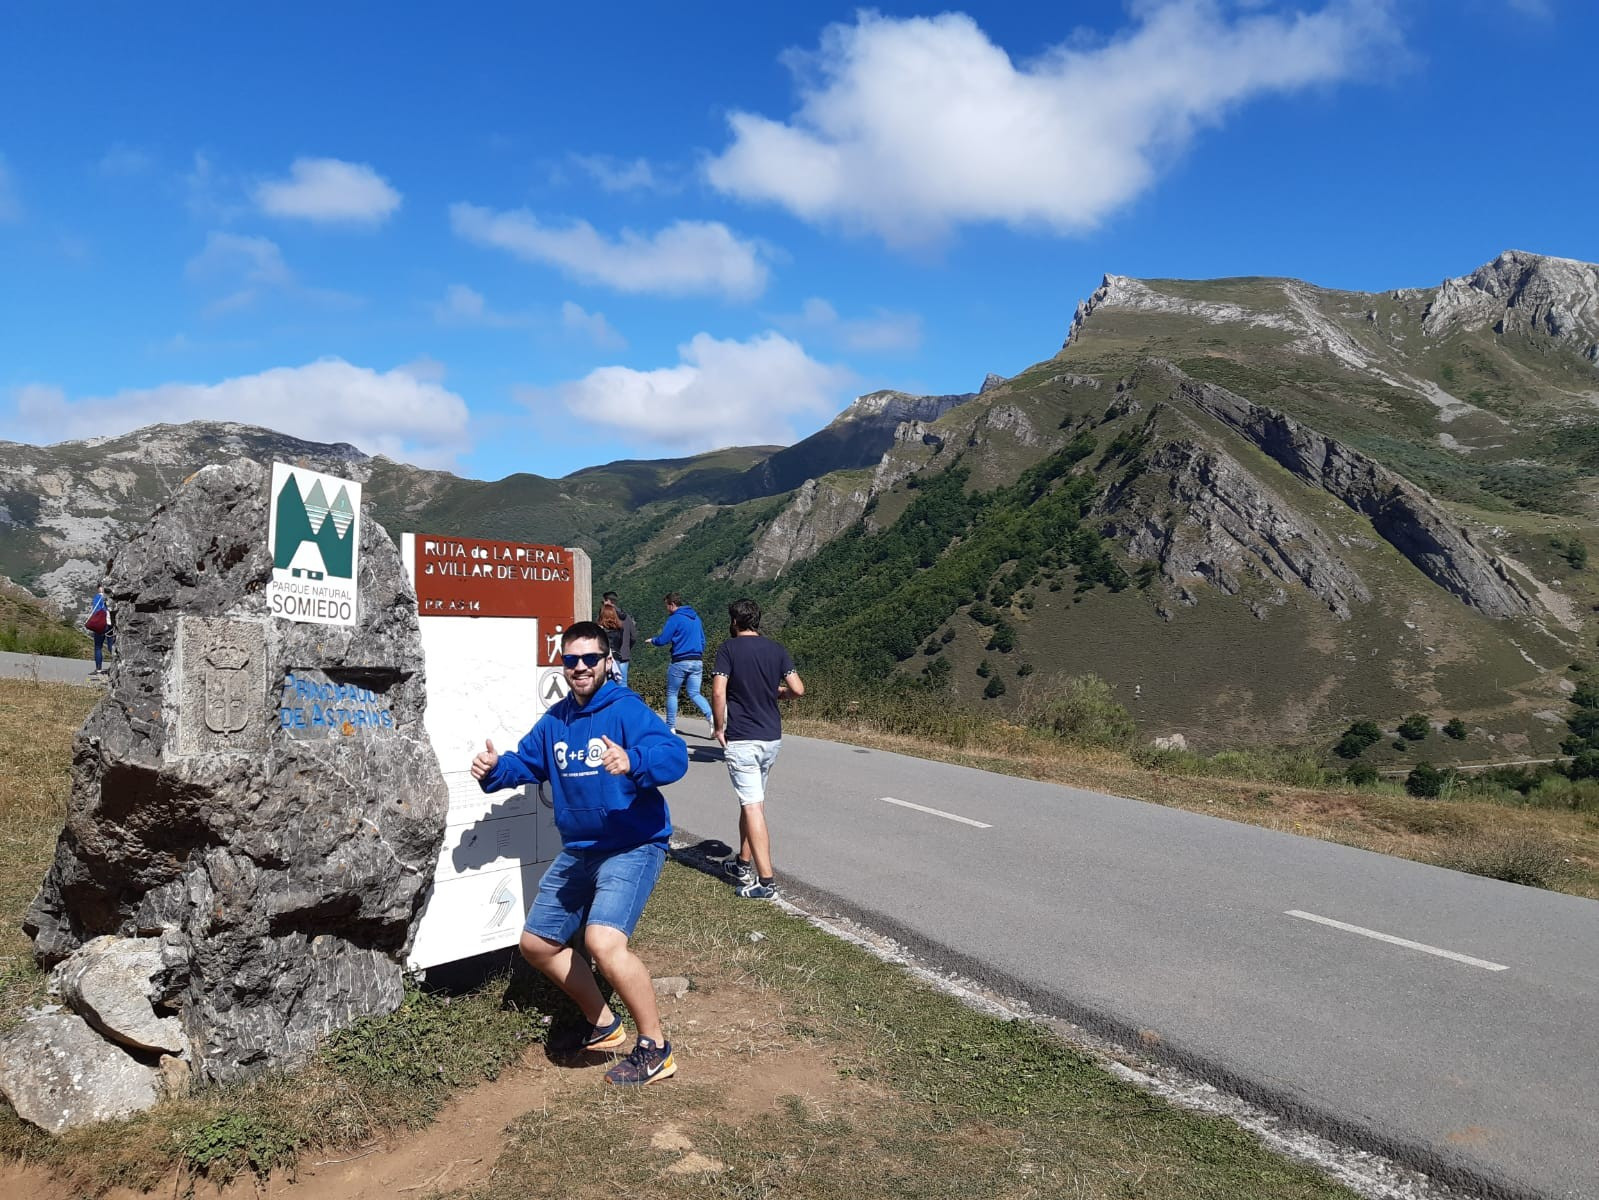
pixel 479 577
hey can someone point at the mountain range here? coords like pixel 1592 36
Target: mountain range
pixel 1256 507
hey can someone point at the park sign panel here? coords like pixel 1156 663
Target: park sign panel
pixel 314 536
pixel 491 614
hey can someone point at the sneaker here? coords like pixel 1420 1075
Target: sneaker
pixel 605 1037
pixel 756 890
pixel 739 871
pixel 648 1063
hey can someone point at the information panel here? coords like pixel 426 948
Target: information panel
pixel 491 614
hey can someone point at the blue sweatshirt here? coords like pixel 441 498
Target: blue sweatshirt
pixel 595 810
pixel 684 631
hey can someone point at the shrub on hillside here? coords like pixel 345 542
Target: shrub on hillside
pixel 1078 708
pixel 1455 728
pixel 1357 739
pixel 1360 774
pixel 1415 727
pixel 1579 793
pixel 1529 859
pixel 1427 780
pixel 995 688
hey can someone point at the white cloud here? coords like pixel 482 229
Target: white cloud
pixel 721 393
pixel 329 189
pixel 10 204
pixel 466 306
pixel 883 332
pixel 400 413
pixel 615 175
pixel 123 159
pixel 593 326
pixel 685 258
pixel 245 268
pixel 906 128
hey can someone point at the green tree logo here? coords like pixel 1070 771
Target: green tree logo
pixel 330 528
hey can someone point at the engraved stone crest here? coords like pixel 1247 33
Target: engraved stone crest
pixel 227 689
pixel 223 706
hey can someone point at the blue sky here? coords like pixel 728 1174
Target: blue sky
pixel 529 238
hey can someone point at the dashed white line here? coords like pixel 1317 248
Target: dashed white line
pixel 936 812
pixel 1398 941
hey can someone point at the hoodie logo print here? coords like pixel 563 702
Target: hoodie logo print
pixel 589 756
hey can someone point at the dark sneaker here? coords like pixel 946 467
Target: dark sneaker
pixel 648 1063
pixel 740 872
pixel 756 890
pixel 605 1037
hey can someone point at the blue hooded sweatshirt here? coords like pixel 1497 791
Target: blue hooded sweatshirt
pixel 595 810
pixel 684 631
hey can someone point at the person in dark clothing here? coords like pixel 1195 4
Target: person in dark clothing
pixel 621 646
pixel 605 755
pixel 750 675
pixel 686 636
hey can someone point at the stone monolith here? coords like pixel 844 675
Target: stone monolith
pixel 258 794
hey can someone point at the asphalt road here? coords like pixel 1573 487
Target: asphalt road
pixel 48 669
pixel 1211 941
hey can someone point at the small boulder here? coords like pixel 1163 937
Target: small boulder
pixel 58 1073
pixel 108 982
pixel 675 986
pixel 1175 741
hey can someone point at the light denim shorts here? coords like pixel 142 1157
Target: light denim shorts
pixel 748 764
pixel 589 888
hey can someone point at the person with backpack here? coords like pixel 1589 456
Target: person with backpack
pixel 98 623
pixel 621 641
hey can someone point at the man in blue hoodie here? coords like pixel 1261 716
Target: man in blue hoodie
pixel 605 755
pixel 684 633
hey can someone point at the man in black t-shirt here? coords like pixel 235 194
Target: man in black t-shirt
pixel 751 675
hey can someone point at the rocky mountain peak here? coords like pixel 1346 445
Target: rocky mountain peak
pixel 1535 293
pixel 891 407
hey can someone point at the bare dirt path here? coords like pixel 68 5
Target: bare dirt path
pixel 735 1055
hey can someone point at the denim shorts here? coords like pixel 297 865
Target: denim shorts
pixel 748 765
pixel 594 888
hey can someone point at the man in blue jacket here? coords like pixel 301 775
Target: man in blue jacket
pixel 684 633
pixel 605 755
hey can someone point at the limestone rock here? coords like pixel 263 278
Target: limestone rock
pixel 109 981
pixel 815 516
pixel 1399 511
pixel 1230 525
pixel 283 868
pixel 1174 741
pixel 1557 298
pixel 58 1074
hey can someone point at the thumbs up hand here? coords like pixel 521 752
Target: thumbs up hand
pixel 487 759
pixel 615 759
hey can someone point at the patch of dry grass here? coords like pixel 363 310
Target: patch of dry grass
pixel 37 721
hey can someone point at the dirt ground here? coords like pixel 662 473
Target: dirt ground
pixel 729 1041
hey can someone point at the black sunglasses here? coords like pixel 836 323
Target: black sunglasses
pixel 592 659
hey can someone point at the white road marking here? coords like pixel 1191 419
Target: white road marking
pixel 1398 941
pixel 937 812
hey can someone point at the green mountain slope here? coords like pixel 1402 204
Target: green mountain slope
pixel 1298 507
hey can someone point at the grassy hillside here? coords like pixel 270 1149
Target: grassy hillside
pixel 1086 517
